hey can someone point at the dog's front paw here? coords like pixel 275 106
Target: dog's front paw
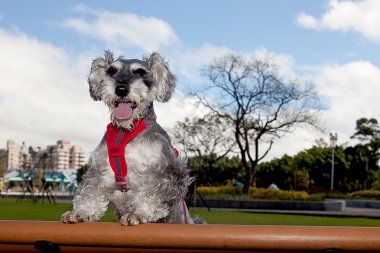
pixel 132 219
pixel 71 217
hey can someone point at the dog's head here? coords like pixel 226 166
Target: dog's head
pixel 129 86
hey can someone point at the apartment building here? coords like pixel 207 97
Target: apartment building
pixel 76 157
pixel 62 155
pixel 14 160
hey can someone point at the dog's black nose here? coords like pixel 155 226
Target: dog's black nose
pixel 121 90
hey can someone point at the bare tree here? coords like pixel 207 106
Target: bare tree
pixel 209 136
pixel 258 103
pixel 205 142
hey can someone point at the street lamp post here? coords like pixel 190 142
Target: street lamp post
pixel 333 140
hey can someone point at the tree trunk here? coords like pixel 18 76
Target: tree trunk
pixel 248 179
pixel 250 174
pixel 247 182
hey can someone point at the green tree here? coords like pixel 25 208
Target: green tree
pixel 365 155
pixel 277 171
pixel 376 184
pixel 307 170
pixel 363 165
pixel 368 133
pixel 81 171
pixel 3 161
pixel 220 172
pixel 301 179
pixel 367 130
pixel 316 160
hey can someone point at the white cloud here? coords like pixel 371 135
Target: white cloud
pixel 187 62
pixel 358 16
pixel 308 21
pixel 43 97
pixel 351 91
pixel 283 62
pixel 123 29
pixel 176 109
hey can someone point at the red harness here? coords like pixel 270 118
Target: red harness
pixel 117 139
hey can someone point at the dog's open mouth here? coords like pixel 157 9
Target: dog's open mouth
pixel 124 109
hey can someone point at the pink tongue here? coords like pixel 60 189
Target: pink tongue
pixel 123 111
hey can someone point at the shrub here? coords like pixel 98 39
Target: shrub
pixel 233 192
pixel 330 195
pixel 365 194
pixel 209 190
pixel 261 193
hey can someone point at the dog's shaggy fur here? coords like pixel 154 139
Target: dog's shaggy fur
pixel 157 180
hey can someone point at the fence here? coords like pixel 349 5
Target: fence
pixel 26 236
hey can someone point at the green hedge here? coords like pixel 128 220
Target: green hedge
pixel 330 195
pixel 366 194
pixel 235 192
pixel 212 190
pixel 261 193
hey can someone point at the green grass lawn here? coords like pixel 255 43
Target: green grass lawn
pixel 26 209
pixel 247 218
pixel 13 209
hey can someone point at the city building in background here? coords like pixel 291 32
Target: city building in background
pixel 14 155
pixel 61 156
pixel 77 157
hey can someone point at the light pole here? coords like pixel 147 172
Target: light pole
pixel 333 140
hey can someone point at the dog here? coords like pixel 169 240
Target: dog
pixel 152 184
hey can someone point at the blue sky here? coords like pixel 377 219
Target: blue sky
pixel 239 25
pixel 47 48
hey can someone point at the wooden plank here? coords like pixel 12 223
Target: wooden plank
pixel 185 238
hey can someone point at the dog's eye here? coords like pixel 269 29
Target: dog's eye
pixel 111 71
pixel 139 71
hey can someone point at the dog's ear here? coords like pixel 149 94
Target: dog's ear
pixel 97 74
pixel 164 80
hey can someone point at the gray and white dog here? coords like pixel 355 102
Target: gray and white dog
pixel 156 180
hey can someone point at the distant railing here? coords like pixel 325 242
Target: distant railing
pixel 29 236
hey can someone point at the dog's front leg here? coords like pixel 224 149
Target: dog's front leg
pixel 89 203
pixel 148 208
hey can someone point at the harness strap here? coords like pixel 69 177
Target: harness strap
pixel 184 210
pixel 117 139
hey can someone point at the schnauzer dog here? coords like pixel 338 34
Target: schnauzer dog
pixel 135 167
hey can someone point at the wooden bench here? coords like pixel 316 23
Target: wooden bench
pixel 24 236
